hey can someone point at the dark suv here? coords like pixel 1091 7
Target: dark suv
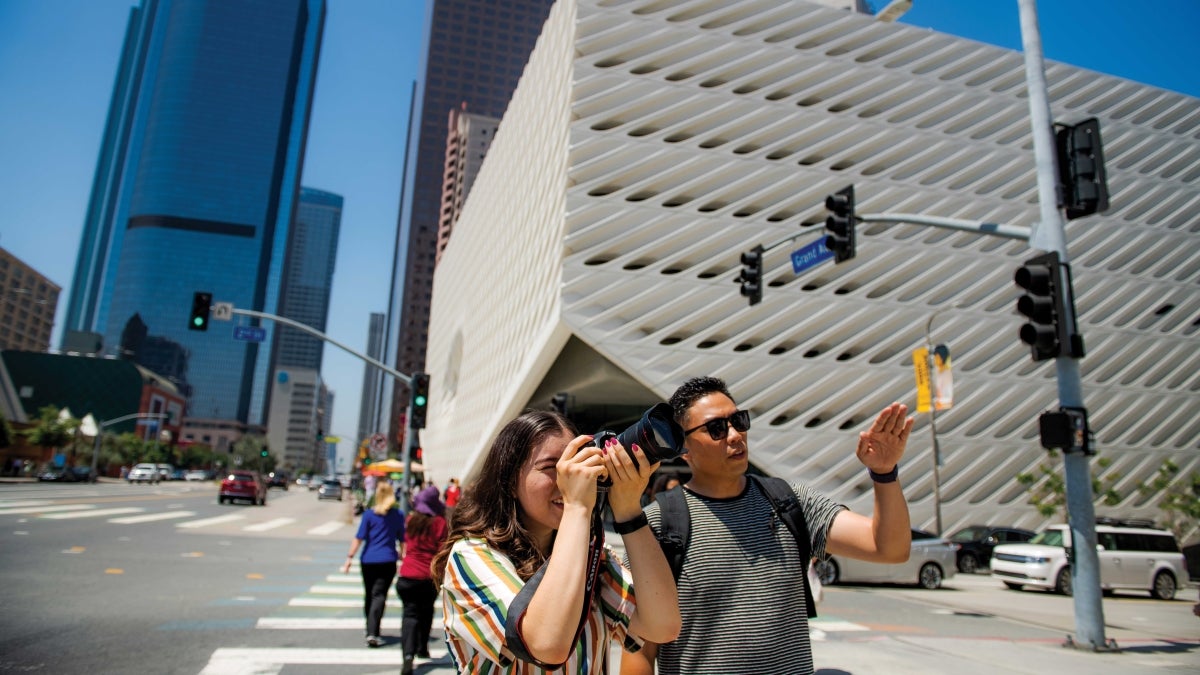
pixel 977 541
pixel 277 479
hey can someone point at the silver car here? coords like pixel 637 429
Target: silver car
pixel 931 561
pixel 330 489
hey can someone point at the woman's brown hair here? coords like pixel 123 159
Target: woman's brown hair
pixel 489 509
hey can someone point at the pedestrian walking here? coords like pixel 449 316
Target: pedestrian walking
pixel 424 532
pixel 760 623
pixel 453 493
pixel 380 533
pixel 530 513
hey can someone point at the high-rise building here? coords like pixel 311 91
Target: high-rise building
pixel 196 187
pixel 369 418
pixel 650 144
pixel 295 422
pixel 476 51
pixel 308 277
pixel 468 138
pixel 27 306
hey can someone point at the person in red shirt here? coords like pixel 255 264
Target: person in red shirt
pixel 452 494
pixel 425 531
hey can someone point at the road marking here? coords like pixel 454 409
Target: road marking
pixel 251 661
pixel 314 623
pixel 19 502
pixel 49 508
pixel 328 528
pixel 337 589
pixel 344 578
pixel 254 575
pixel 20 532
pixel 269 525
pixel 95 513
pixel 325 602
pixel 114 570
pixel 150 517
pixel 193 554
pixel 205 522
pixel 836 625
pixel 75 549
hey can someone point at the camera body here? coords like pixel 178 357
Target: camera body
pixel 656 433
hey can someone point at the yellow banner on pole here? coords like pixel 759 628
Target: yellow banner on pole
pixel 920 357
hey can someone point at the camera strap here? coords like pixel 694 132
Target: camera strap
pixel 514 637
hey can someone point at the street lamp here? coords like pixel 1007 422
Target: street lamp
pixel 124 418
pixel 937 455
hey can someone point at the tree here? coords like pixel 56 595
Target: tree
pixel 1048 491
pixel 249 449
pixel 50 432
pixel 1180 499
pixel 6 433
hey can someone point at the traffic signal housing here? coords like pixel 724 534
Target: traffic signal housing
pixel 840 224
pixel 1082 179
pixel 264 453
pixel 1042 304
pixel 751 276
pixel 201 304
pixel 420 400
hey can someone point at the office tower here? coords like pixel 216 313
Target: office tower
pixel 308 277
pixel 195 189
pixel 684 136
pixel 27 306
pixel 477 50
pixel 468 138
pixel 295 429
pixel 369 419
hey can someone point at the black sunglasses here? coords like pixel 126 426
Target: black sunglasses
pixel 717 428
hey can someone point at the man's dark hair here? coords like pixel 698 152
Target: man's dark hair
pixel 693 389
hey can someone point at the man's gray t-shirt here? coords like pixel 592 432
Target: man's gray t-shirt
pixel 740 591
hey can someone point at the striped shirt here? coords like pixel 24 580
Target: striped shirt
pixel 740 591
pixel 479 585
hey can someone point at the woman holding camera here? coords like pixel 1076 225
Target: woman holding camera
pixel 532 505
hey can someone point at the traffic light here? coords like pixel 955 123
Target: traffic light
pixel 1042 304
pixel 201 303
pixel 420 400
pixel 840 224
pixel 751 276
pixel 264 453
pixel 1081 174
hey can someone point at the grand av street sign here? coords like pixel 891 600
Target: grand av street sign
pixel 249 333
pixel 810 256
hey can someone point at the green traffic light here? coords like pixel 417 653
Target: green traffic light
pixel 197 321
pixel 419 400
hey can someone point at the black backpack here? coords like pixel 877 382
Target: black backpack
pixel 675 525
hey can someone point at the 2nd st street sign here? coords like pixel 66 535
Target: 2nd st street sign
pixel 249 333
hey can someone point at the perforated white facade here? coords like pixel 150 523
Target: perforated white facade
pixel 650 142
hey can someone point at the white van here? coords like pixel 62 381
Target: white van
pixel 1131 558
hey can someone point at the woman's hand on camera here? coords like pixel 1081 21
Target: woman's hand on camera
pixel 579 467
pixel 629 480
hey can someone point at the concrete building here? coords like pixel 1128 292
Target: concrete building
pixel 468 138
pixel 651 143
pixel 295 434
pixel 27 307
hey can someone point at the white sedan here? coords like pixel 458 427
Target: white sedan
pixel 931 561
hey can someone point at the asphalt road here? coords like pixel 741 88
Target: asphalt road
pixel 113 578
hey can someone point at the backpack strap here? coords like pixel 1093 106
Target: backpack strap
pixel 674 527
pixel 787 509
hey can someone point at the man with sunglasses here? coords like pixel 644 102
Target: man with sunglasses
pixel 740 588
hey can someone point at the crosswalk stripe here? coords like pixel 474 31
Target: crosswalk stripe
pixel 836 625
pixel 328 528
pixel 50 508
pixel 325 602
pixel 13 503
pixel 255 661
pixel 316 623
pixel 345 578
pixel 269 525
pixel 205 522
pixel 337 589
pixel 94 513
pixel 151 517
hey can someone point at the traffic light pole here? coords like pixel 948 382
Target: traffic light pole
pixel 1049 235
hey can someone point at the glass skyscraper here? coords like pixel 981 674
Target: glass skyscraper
pixel 195 189
pixel 308 277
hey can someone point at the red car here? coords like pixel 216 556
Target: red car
pixel 243 485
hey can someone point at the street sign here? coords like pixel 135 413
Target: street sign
pixel 378 444
pixel 222 311
pixel 809 256
pixel 249 333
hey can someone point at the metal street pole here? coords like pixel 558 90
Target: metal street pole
pixel 100 433
pixel 937 455
pixel 1049 235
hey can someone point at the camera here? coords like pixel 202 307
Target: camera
pixel 656 433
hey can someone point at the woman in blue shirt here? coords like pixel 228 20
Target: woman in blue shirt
pixel 381 536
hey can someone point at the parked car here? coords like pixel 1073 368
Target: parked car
pixel 277 479
pixel 330 489
pixel 72 474
pixel 196 475
pixel 1131 558
pixel 143 473
pixel 975 544
pixel 247 485
pixel 178 474
pixel 165 471
pixel 931 561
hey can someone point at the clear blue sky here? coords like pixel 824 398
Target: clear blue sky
pixel 58 60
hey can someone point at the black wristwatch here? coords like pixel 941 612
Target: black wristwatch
pixel 633 525
pixel 889 477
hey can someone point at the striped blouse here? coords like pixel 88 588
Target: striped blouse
pixel 480 583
